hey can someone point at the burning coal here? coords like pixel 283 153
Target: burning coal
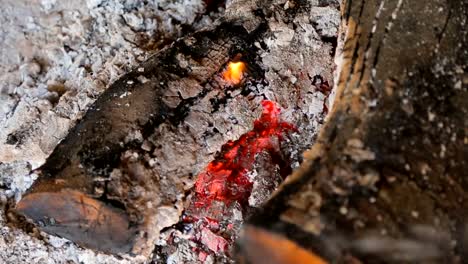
pixel 225 179
pixel 225 185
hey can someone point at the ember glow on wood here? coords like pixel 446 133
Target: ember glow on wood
pixel 225 179
pixel 263 247
pixel 225 183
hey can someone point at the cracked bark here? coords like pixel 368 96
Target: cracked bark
pixel 386 180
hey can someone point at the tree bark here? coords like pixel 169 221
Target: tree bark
pixel 386 180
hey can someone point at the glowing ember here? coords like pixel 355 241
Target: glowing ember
pixel 234 72
pixel 225 179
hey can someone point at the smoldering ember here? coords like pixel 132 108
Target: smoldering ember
pixel 238 131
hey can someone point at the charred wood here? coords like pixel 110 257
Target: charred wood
pixel 123 172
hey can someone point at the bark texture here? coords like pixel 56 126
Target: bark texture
pixel 386 180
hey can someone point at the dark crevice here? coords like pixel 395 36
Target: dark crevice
pixel 104 198
pixel 370 37
pixel 444 28
pixel 333 41
pixel 356 49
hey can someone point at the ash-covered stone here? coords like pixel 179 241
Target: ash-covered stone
pixel 326 20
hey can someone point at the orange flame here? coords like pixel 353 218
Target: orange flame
pixel 234 72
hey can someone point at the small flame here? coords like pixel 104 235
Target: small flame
pixel 234 72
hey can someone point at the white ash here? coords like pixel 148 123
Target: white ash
pixel 265 177
pixel 183 253
pixel 57 57
pixel 18 247
pixel 326 20
pixel 13 185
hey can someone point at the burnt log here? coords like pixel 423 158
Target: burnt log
pixel 118 121
pixel 386 181
pixel 123 172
